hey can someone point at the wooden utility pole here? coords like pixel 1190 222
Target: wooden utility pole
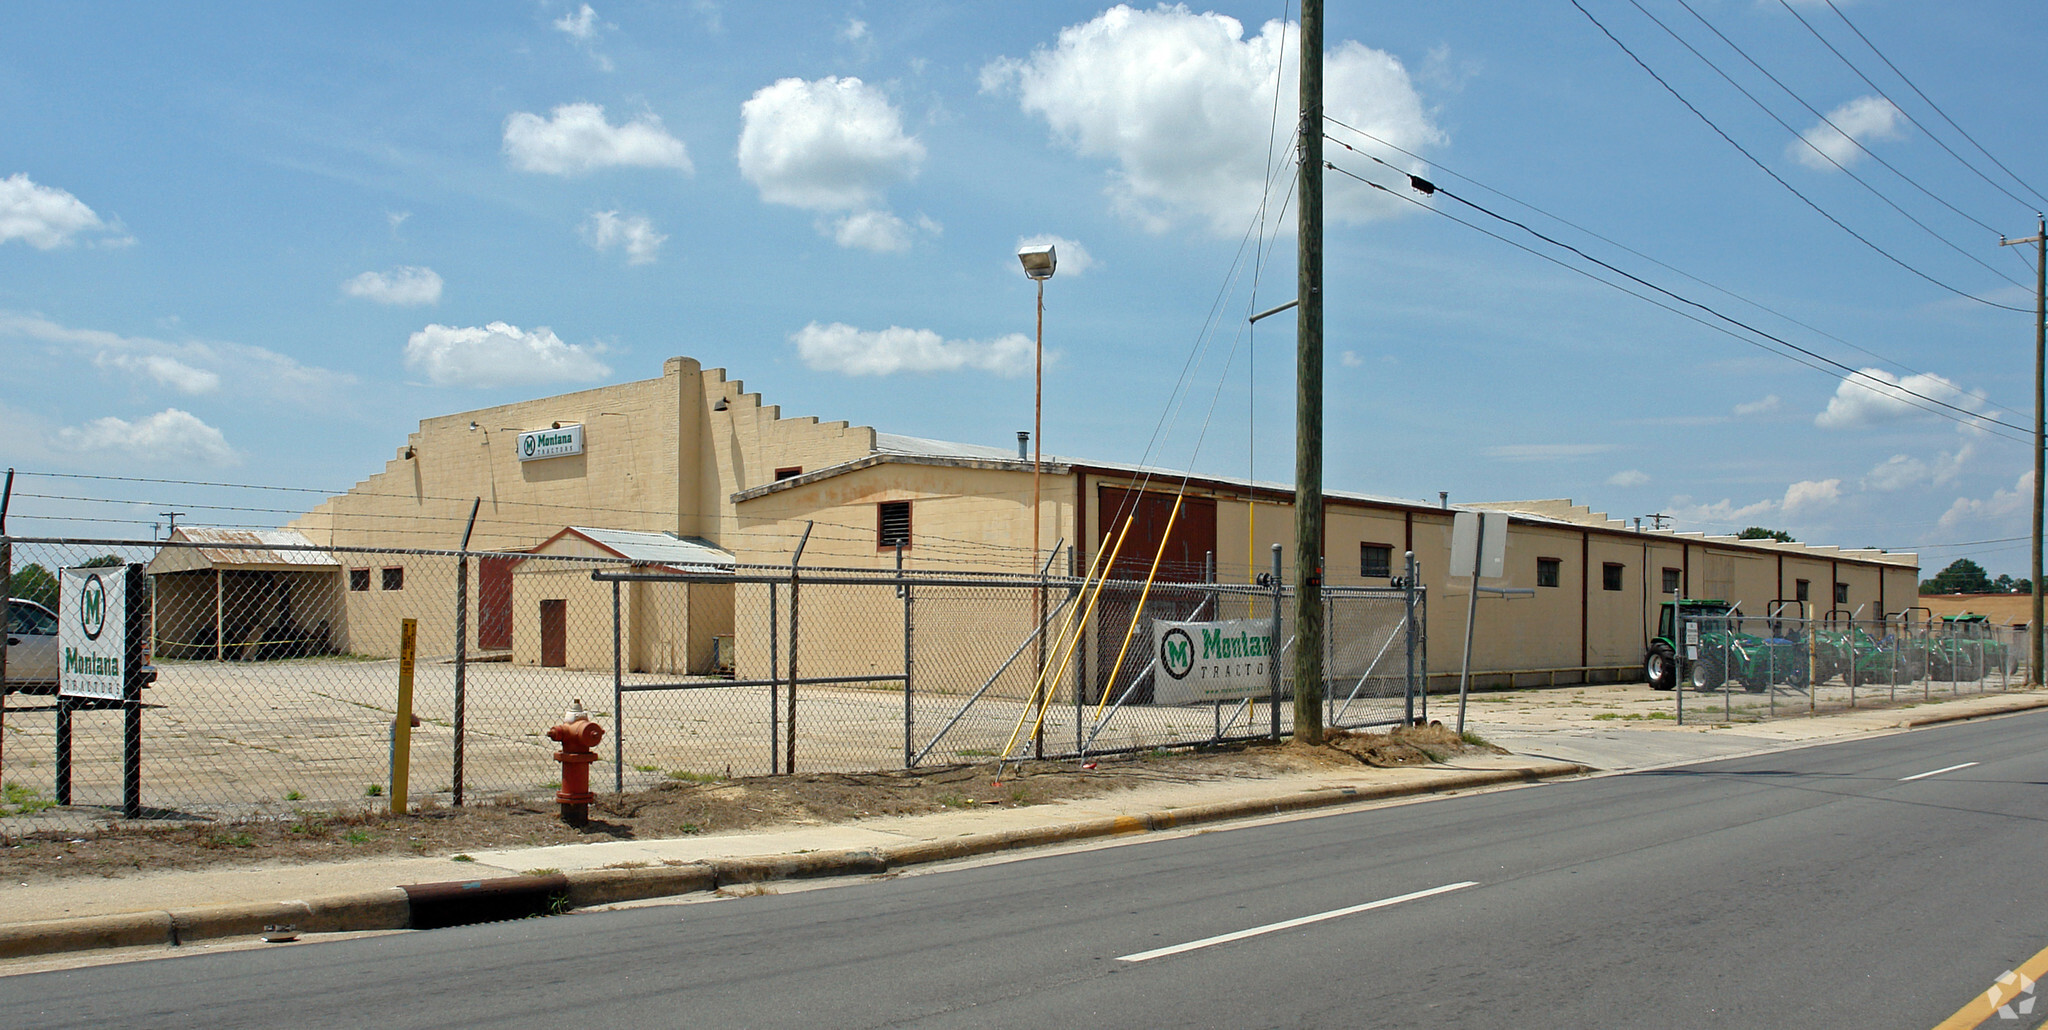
pixel 1308 392
pixel 2040 242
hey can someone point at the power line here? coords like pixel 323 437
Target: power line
pixel 1930 101
pixel 1816 330
pixel 1825 120
pixel 1938 141
pixel 1775 177
pixel 1975 419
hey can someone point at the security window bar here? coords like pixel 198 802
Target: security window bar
pixel 1546 571
pixel 1671 581
pixel 1610 575
pixel 893 529
pixel 1375 561
pixel 1802 591
pixel 359 579
pixel 394 578
pixel 1841 593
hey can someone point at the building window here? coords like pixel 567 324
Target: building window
pixel 893 525
pixel 1546 571
pixel 1802 591
pixel 359 579
pixel 1671 582
pixel 788 472
pixel 394 578
pixel 1841 593
pixel 1610 575
pixel 1375 561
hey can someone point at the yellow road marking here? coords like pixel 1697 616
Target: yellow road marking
pixel 1985 1005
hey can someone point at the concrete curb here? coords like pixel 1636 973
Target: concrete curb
pixel 454 903
pixel 1938 718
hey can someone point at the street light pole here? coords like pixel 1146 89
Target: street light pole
pixel 1308 391
pixel 1039 263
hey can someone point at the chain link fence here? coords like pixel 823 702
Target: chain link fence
pixel 274 674
pixel 1732 667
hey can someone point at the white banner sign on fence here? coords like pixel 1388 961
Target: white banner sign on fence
pixel 92 633
pixel 1212 661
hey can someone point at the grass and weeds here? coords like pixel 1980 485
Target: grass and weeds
pixel 16 799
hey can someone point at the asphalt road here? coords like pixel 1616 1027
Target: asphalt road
pixel 1818 887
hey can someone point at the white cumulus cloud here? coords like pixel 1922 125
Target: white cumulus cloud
pixel 1721 513
pixel 45 217
pixel 1810 493
pixel 1629 477
pixel 580 24
pixel 831 145
pixel 404 286
pixel 576 139
pixel 1837 141
pixel 1901 471
pixel 190 367
pixel 1765 406
pixel 499 355
pixel 1182 104
pixel 842 348
pixel 171 436
pixel 634 234
pixel 1876 397
pixel 582 28
pixel 2003 506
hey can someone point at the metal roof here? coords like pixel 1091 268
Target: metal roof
pixel 919 447
pixel 240 548
pixel 647 548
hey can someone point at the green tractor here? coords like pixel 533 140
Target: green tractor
pixel 1717 650
pixel 1967 649
pixel 1843 648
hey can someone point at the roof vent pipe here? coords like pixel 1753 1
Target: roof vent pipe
pixel 1023 444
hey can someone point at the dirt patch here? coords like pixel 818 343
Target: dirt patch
pixel 686 808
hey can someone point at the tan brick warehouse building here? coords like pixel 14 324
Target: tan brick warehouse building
pixel 692 457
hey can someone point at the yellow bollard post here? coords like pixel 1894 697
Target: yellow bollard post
pixel 401 727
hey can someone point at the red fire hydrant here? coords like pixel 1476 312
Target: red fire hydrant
pixel 578 737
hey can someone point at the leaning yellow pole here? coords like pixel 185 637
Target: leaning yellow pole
pixel 1066 643
pixel 401 727
pixel 1143 595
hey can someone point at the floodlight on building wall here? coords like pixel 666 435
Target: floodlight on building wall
pixel 1039 261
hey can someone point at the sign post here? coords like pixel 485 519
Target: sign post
pixel 1479 543
pixel 102 624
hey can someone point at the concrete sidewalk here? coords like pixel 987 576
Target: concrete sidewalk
pixel 1559 732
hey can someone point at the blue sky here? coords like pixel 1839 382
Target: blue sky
pixel 255 244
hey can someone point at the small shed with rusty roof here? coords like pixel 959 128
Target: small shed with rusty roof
pixel 245 594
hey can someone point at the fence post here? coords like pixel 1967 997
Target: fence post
pixel 1678 676
pixel 6 609
pixel 462 651
pixel 619 691
pixel 774 687
pixel 903 588
pixel 1079 640
pixel 1408 622
pixel 1273 660
pixel 789 747
pixel 138 623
